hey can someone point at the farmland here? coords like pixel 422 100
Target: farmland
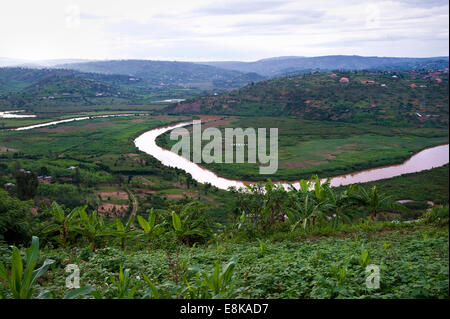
pixel 308 147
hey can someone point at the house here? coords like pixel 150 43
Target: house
pixel 72 167
pixel 413 85
pixel 333 75
pixel 344 80
pixel 9 185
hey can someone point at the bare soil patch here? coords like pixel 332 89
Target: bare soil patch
pixel 118 195
pixel 112 210
pixel 299 164
pixel 4 149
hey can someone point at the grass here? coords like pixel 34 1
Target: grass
pixel 107 159
pixel 327 148
pixel 51 114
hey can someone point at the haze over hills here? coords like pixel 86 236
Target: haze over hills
pixel 39 64
pixel 165 72
pixel 282 65
pixel 143 81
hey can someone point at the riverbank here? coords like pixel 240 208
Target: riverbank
pixel 423 160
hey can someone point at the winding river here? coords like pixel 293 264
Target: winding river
pixel 426 159
pixel 423 160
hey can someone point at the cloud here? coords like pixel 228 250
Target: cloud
pixel 222 30
pixel 238 7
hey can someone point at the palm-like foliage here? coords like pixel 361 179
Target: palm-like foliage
pixel 124 232
pixel 190 222
pixel 150 227
pixel 65 222
pixel 92 228
pixel 374 201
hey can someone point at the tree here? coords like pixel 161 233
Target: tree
pixel 190 222
pixel 26 184
pixel 375 201
pixel 15 219
pixel 65 223
pixel 76 177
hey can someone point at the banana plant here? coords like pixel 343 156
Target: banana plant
pixel 64 222
pixel 306 211
pixel 374 201
pixel 124 232
pixel 21 282
pixel 92 228
pixel 187 225
pixel 341 205
pixel 149 226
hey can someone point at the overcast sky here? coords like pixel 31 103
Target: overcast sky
pixel 204 30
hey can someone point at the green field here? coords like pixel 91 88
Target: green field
pixel 326 148
pixel 322 259
pixel 413 263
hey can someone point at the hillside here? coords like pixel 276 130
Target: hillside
pixel 403 97
pixel 25 87
pixel 283 65
pixel 164 72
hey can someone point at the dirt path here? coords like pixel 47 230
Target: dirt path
pixel 135 204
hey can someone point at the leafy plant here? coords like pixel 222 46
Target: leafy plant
pixel 123 232
pixel 92 228
pixel 65 223
pixel 21 282
pixel 123 284
pixel 188 224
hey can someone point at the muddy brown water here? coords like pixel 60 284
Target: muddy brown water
pixel 426 159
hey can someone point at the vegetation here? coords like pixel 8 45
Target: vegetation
pixel 323 147
pixel 138 229
pixel 383 98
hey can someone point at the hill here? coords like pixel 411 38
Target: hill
pixel 401 97
pixel 27 87
pixel 283 65
pixel 165 72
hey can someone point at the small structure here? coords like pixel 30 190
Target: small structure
pixel 413 85
pixel 344 80
pixel 72 167
pixel 9 185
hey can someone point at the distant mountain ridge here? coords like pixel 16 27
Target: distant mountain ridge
pixel 284 65
pixel 167 72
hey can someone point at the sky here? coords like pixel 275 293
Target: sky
pixel 204 30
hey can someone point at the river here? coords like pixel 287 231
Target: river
pixel 426 159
